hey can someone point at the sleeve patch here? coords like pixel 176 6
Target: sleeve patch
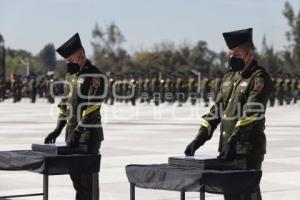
pixel 96 82
pixel 259 84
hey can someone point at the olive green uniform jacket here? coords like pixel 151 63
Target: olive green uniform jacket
pixel 239 109
pixel 81 105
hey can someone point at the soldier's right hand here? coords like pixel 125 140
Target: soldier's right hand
pixel 200 139
pixel 192 147
pixel 51 138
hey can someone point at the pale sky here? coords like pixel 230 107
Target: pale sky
pixel 30 24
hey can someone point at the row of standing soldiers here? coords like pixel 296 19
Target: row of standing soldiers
pixel 286 89
pixel 17 88
pixel 160 88
pixel 181 88
pixel 155 87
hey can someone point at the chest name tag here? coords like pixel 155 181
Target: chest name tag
pixel 244 84
pixel 225 84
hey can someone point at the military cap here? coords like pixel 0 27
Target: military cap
pixel 237 38
pixel 70 46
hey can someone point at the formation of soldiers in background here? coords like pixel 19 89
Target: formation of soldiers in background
pixel 158 88
pixel 17 88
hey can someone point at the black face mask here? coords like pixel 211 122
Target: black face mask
pixel 73 68
pixel 236 64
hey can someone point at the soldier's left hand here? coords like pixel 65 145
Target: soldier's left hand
pixel 74 140
pixel 229 152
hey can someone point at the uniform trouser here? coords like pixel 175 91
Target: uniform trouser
pixel 295 96
pixel 272 100
pixel 250 162
pixel 2 94
pixel 112 99
pixel 193 101
pixel 83 183
pixel 15 96
pixel 205 99
pixel 280 100
pixel 33 97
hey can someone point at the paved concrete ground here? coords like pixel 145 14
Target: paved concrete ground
pixel 146 134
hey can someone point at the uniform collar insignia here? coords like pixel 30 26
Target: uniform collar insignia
pixel 80 80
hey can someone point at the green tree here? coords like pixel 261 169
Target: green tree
pixel 48 58
pixel 14 64
pixel 202 58
pixel 293 35
pixel 220 65
pixel 107 48
pixel 270 59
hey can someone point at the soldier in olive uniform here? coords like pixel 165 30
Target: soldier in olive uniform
pixel 79 110
pixel 162 87
pixel 147 89
pixel 16 86
pixel 48 84
pixel 273 92
pixel 240 108
pixel 205 89
pixel 126 89
pixel 2 89
pixel 193 86
pixel 110 95
pixel 119 87
pixel 155 91
pixel 280 89
pixel 133 88
pixel 288 93
pixel 32 88
pixel 185 87
pixel 108 91
pixel 141 81
pixel 296 88
pixel 41 87
pixel 169 92
pixel 179 89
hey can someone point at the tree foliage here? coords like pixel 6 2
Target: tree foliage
pixel 166 56
pixel 292 35
pixel 48 58
pixel 107 46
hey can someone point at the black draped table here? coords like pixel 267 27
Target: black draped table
pixel 49 164
pixel 192 179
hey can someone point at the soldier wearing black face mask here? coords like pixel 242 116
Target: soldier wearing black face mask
pixel 235 63
pixel 79 109
pixel 239 108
